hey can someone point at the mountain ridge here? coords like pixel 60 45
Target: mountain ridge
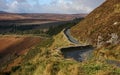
pixel 2 12
pixel 19 16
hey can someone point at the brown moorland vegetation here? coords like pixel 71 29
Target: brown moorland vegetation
pixel 46 59
pixel 103 21
pixel 59 17
pixel 101 27
pixel 16 44
pixel 11 47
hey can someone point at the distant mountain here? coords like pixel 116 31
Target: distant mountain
pixel 19 16
pixel 3 12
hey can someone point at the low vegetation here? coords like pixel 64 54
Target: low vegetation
pixel 101 28
pixel 55 30
pixel 46 59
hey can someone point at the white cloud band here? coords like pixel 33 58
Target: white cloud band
pixel 56 6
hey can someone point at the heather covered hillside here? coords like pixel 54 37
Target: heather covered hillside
pixel 101 28
pixel 103 22
pixel 83 46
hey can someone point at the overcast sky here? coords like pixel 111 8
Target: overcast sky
pixel 49 6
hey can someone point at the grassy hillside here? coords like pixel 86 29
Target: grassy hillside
pixel 46 59
pixel 103 21
pixel 13 47
pixel 101 28
pixel 18 43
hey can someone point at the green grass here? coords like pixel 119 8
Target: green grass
pixel 42 60
pixel 37 50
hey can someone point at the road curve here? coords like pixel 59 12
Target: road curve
pixel 69 36
pixel 78 52
pixel 87 52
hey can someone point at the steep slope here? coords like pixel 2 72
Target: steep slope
pixel 16 44
pixel 100 25
pixel 12 47
pixel 46 59
pixel 101 28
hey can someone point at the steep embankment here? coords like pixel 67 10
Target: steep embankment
pixel 103 21
pixel 101 28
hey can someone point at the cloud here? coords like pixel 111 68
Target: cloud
pixel 71 6
pixel 21 1
pixel 55 6
pixel 62 6
pixel 3 5
pixel 19 6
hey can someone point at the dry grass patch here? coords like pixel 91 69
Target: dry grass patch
pixel 60 40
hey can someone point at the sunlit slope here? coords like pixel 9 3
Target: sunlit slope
pixel 16 44
pixel 103 22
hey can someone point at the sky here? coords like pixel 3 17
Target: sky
pixel 49 6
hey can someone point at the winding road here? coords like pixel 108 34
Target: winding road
pixel 69 36
pixel 79 52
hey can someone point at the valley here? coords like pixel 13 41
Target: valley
pixel 36 22
pixel 61 44
pixel 18 38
